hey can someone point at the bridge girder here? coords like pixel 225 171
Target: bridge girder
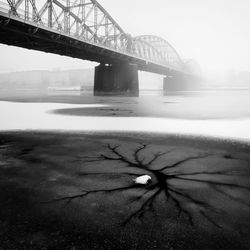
pixel 88 21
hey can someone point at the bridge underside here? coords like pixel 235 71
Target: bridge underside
pixel 13 32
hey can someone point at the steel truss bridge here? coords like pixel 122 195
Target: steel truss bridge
pixel 83 29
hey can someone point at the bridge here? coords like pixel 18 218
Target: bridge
pixel 84 29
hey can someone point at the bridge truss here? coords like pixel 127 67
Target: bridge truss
pixel 88 21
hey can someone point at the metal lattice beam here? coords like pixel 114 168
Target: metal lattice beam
pixel 87 20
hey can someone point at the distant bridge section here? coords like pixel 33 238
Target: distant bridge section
pixel 84 29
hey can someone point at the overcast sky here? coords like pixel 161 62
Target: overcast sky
pixel 214 32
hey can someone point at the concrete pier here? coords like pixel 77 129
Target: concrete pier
pixel 180 83
pixel 116 80
pixel 174 83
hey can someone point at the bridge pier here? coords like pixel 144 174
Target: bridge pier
pixel 116 80
pixel 175 83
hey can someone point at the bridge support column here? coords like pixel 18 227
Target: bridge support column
pixel 119 80
pixel 175 83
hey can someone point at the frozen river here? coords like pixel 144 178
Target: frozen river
pixel 212 114
pixel 60 190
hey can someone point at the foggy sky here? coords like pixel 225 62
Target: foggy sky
pixel 216 33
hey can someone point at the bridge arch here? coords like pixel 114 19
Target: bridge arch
pixel 146 50
pixel 167 53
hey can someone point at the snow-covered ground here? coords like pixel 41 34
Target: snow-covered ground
pixel 212 116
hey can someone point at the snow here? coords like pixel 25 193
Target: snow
pixel 143 180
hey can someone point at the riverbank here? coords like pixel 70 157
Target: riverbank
pixel 76 191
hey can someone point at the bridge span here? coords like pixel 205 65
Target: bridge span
pixel 84 29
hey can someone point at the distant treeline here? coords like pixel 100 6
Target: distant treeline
pixel 42 79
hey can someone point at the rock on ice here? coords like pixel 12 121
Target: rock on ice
pixel 144 179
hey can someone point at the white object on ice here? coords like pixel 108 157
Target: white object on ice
pixel 144 179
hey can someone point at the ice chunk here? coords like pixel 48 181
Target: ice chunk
pixel 143 180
